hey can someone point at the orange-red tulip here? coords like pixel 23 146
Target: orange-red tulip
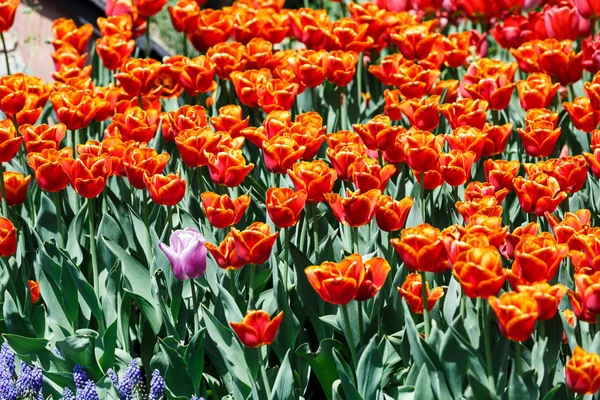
pixel 281 153
pixel 455 166
pixel 9 141
pixel 421 113
pixel 276 94
pixel 421 149
pixel 341 67
pixel 516 313
pixel 356 209
pixel 391 214
pixel 138 76
pixel 479 272
pixel 34 291
pixel 48 170
pixel 537 258
pixel 500 173
pixel 547 298
pixel 227 57
pixel 376 272
pixel 538 194
pixel 148 8
pixel 221 211
pixel 588 287
pixel 255 243
pixel 113 49
pixel 465 112
pixel 466 139
pixel 225 255
pixel 228 167
pixel 41 137
pixel 66 33
pixel 135 124
pixel 337 283
pixel 214 26
pixel 257 328
pixel 496 139
pixel 537 91
pixel 246 85
pixel 583 116
pixel 411 290
pixel 8 10
pixel 184 15
pixel 311 67
pixel 313 176
pixel 144 161
pixel 284 206
pixel 367 174
pixel 16 187
pixel 230 120
pixel 8 238
pixel 422 249
pixel 582 372
pixel 377 133
pixel 88 174
pixel 166 190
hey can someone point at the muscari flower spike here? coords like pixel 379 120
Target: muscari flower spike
pixel 157 386
pixel 87 392
pixel 29 381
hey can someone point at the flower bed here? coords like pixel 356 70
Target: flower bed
pixel 325 203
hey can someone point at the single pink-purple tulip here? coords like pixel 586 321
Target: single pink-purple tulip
pixel 186 254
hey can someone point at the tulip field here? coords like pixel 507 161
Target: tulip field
pixel 329 200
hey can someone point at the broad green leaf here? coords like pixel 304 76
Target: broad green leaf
pixel 194 359
pixel 15 322
pixel 369 371
pixel 346 375
pixel 322 362
pixel 283 388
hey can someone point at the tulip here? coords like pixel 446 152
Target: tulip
pixel 490 226
pixel 13 93
pixel 367 174
pixel 571 224
pixel 487 206
pixel 578 306
pixel 391 214
pixel 311 67
pixel 418 42
pixel 230 119
pixel 116 25
pixel 376 272
pixel 537 91
pixel 225 255
pixel 74 108
pixel 589 290
pixel 582 372
pixel 421 113
pixel 415 81
pixel 144 161
pixel 221 211
pixel 537 258
pixel 214 26
pixel 456 48
pixel 356 209
pixel 16 187
pixel 422 249
pixel 388 68
pixel 186 253
pixel 48 170
pixel 113 49
pixel 496 90
pixel 588 9
pixel 281 153
pixel 41 137
pixel 516 313
pixel 496 139
pixel 276 94
pixel 227 57
pixel 421 149
pixel 561 21
pixel 88 174
pixel 479 272
pixel 8 238
pixel 480 190
pixel 583 116
pixel 315 177
pixel 455 166
pixel 411 290
pixel 34 291
pixel 9 141
pixel 466 139
pixel 192 144
pixel 337 283
pixel 308 134
pixel 138 76
pixel 346 34
pixel 8 10
pixel 547 298
pixel 228 167
pixel 539 138
pixel 284 206
pixel 465 112
pixel 500 173
pixel 539 194
pixel 246 85
pixel 135 124
pixel 255 243
pixel 341 67
pixel 257 328
pixel 66 33
pixel 167 190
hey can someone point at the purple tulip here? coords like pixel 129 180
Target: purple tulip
pixel 186 254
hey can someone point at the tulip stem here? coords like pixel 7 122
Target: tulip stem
pixel 5 50
pixel 485 311
pixel 355 241
pixel 359 76
pixel 315 213
pixel 286 255
pixel 344 104
pixel 147 39
pixel 59 222
pixel 422 195
pixel 170 218
pixel 313 92
pixel 349 337
pixel 263 373
pixel 518 357
pixel 303 231
pixel 251 287
pixel 185 45
pixel 3 189
pixel 91 226
pixel 195 305
pixel 426 320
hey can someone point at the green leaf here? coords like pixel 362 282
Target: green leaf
pixel 45 223
pixel 322 362
pixel 231 352
pixel 369 371
pixel 175 377
pixel 109 344
pixel 79 349
pixel 283 388
pixel 194 359
pixel 423 385
pixel 15 322
pixel 517 390
pixel 346 377
pixel 138 283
